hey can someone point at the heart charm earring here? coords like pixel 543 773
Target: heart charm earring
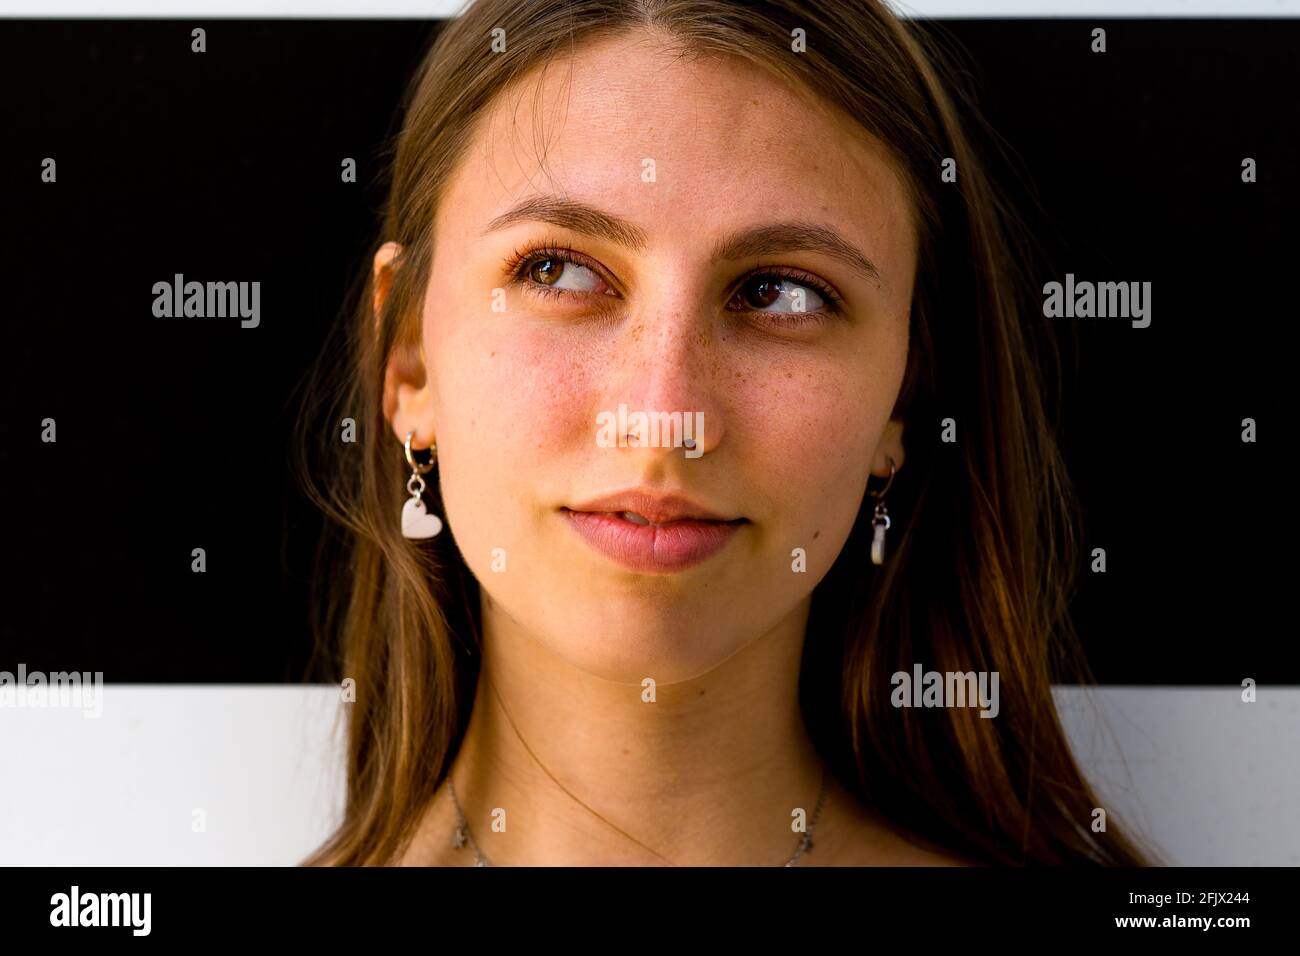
pixel 880 520
pixel 416 522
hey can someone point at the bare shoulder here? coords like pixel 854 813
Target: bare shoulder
pixel 859 836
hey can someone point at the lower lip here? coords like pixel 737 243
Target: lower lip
pixel 652 548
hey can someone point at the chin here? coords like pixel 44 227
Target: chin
pixel 619 644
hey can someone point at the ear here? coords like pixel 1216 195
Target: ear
pixel 385 267
pixel 408 392
pixel 891 446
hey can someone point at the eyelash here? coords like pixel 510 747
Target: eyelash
pixel 523 259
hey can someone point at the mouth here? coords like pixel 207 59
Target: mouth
pixel 639 544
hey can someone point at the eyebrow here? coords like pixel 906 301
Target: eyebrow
pixel 794 236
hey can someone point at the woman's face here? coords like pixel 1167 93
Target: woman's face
pixel 716 217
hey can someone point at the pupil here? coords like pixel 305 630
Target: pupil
pixel 547 270
pixel 768 292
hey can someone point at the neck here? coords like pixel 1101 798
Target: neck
pixel 708 774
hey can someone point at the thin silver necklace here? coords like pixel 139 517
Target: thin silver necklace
pixel 463 836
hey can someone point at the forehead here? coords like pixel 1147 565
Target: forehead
pixel 723 140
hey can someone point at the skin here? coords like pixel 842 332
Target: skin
pixel 795 422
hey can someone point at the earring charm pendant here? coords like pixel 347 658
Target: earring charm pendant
pixel 880 519
pixel 417 523
pixel 879 524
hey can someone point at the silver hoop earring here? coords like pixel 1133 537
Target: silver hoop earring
pixel 416 522
pixel 880 519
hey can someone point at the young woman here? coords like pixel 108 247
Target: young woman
pixel 579 639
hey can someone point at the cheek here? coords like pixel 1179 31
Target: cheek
pixel 505 401
pixel 527 390
pixel 812 425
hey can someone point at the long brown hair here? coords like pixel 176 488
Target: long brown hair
pixel 984 542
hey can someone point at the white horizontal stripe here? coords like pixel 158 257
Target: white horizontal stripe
pixel 437 9
pixel 1211 779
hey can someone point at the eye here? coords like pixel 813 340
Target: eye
pixel 555 271
pixel 787 297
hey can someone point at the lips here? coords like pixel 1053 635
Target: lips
pixel 660 535
pixel 654 507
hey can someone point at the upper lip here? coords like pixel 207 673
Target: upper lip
pixel 653 506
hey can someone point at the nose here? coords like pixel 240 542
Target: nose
pixel 667 366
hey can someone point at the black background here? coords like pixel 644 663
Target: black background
pixel 225 166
